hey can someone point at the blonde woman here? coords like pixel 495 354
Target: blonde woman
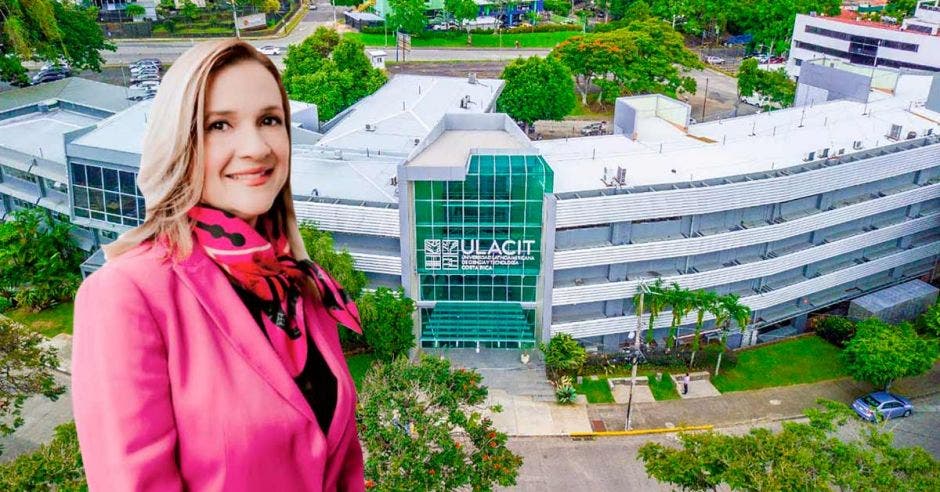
pixel 206 354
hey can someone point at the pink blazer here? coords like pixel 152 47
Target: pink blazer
pixel 175 387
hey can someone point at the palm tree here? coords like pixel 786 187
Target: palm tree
pixel 705 300
pixel 656 303
pixel 729 308
pixel 681 301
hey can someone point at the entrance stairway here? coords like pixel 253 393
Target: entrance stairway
pixel 488 322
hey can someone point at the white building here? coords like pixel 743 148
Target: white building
pixel 915 44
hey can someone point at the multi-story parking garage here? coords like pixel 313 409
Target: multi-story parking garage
pixel 503 241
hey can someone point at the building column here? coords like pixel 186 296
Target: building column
pixel 799 322
pixel 824 201
pixel 621 233
pixel 912 210
pixel 611 342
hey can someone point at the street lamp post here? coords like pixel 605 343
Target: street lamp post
pixel 235 20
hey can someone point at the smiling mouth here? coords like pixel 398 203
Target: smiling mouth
pixel 249 176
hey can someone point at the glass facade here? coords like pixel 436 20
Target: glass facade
pixel 480 241
pixel 106 194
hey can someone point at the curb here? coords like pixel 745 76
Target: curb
pixel 640 432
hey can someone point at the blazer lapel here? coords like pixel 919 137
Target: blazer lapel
pixel 216 295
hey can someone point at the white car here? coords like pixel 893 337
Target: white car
pixel 270 50
pixel 145 85
pixel 714 60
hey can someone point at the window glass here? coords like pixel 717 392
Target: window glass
pixel 127 183
pixel 78 174
pixel 110 179
pixel 94 176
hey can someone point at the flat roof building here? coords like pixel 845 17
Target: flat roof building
pixel 911 44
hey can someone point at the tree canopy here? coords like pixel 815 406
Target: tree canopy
pixel 39 260
pixel 422 429
pixel 645 57
pixel 387 323
pixel 801 456
pixel 537 89
pixel 775 85
pixel 330 72
pixel 340 264
pixel 461 10
pixel 881 353
pixel 26 369
pixel 407 16
pixel 49 30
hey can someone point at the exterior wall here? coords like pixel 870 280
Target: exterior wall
pixel 811 45
pixel 832 238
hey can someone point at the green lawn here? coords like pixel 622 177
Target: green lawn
pixel 526 40
pixel 596 391
pixel 50 322
pixel 358 365
pixel 592 109
pixel 801 360
pixel 664 388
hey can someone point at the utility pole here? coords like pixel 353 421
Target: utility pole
pixel 705 101
pixel 636 353
pixel 235 20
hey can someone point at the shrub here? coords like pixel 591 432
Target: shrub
pixel 56 465
pixel 927 324
pixel 558 7
pixel 565 393
pixel 387 322
pixel 835 330
pixel 563 355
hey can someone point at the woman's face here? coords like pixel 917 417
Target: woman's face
pixel 246 142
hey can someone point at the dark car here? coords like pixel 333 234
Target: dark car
pixel 51 74
pixel 882 405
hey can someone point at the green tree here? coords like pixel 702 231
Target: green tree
pixel 270 6
pixel 748 77
pixel 51 31
pixel 340 264
pixel 705 301
pixel 801 456
pixel 681 302
pixel 536 89
pixel 928 324
pixel 563 354
pixel 461 10
pixel 189 10
pixel 881 353
pixel 836 330
pixel 645 57
pixel 56 465
pixel 900 9
pixel 728 309
pixel 27 368
pixel 387 322
pixel 39 260
pixel 656 302
pixel 407 16
pixel 329 72
pixel 422 429
pixel 134 10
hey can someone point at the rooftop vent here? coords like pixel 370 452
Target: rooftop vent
pixel 465 102
pixel 472 78
pixel 417 141
pixel 393 181
pixel 47 105
pixel 809 156
pixel 370 127
pixel 823 153
pixel 857 145
pixel 911 135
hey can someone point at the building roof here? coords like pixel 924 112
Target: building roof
pixel 39 134
pixel 666 153
pixel 76 90
pixel 123 132
pixel 847 16
pixel 401 113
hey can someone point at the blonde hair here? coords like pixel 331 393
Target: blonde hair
pixel 172 167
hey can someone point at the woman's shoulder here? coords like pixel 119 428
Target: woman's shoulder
pixel 145 264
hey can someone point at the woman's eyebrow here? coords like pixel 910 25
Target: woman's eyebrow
pixel 230 112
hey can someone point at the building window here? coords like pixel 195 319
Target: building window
pixel 107 194
pixel 109 234
pixel 17 204
pixel 9 172
pixel 55 185
pixel 897 45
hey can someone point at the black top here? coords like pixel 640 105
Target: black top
pixel 316 381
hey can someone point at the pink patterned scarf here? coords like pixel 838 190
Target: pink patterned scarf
pixel 263 265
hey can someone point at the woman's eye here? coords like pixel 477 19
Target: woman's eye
pixel 218 125
pixel 270 121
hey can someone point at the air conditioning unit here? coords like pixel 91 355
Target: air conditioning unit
pixel 823 153
pixel 472 78
pixel 370 127
pixel 895 132
pixel 841 151
pixel 911 135
pixel 621 175
pixel 857 145
pixel 809 156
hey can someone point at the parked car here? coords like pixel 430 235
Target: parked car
pixel 145 78
pixel 146 64
pixel 714 60
pixel 599 128
pixel 148 71
pixel 270 50
pixel 142 96
pixel 144 85
pixel 762 58
pixel 145 68
pixel 50 74
pixel 882 405
pixel 777 59
pixel 312 6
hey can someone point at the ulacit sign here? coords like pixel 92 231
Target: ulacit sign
pixel 476 254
